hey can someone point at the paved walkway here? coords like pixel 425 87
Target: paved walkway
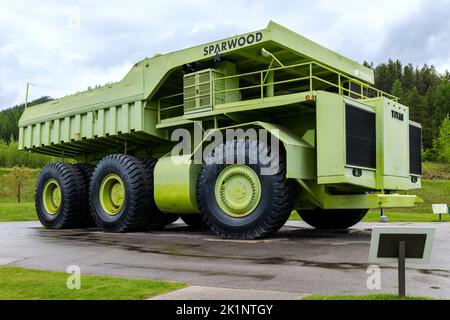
pixel 213 293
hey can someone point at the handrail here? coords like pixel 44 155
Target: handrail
pixel 344 84
pixel 172 96
pixel 351 80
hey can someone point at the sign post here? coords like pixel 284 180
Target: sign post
pixel 401 269
pixel 401 245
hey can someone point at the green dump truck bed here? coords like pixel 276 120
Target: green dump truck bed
pixel 128 110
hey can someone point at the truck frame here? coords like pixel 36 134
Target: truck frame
pixel 187 134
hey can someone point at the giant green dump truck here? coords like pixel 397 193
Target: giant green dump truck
pixel 233 135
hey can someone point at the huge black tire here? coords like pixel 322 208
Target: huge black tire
pixel 87 171
pixel 133 211
pixel 60 197
pixel 271 211
pixel 194 221
pixel 157 220
pixel 332 219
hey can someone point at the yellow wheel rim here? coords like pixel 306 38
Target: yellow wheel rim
pixel 112 194
pixel 238 190
pixel 51 196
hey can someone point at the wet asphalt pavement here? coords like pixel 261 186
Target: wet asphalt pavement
pixel 297 259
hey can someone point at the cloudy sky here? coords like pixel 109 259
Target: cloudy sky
pixel 67 46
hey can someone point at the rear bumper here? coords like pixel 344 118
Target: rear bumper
pixel 371 201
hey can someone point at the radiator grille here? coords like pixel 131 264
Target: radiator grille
pixel 415 150
pixel 360 137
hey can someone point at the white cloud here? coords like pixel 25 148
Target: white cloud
pixel 46 42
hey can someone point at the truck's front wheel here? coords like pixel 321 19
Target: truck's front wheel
pixel 333 218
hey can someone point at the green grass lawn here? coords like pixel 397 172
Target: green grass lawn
pixel 24 284
pixel 433 191
pixel 17 212
pixel 27 191
pixel 434 170
pixel 368 297
pixel 374 216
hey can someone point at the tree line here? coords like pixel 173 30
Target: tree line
pixel 424 90
pixel 9 119
pixel 10 156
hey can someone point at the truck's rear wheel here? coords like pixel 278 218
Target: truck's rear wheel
pixel 332 219
pixel 237 201
pixel 87 171
pixel 60 197
pixel 121 194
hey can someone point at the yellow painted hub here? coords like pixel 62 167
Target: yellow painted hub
pixel 112 194
pixel 238 190
pixel 51 196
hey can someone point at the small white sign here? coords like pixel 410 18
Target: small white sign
pixel 440 208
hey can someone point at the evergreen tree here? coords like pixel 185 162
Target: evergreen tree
pixel 408 80
pixel 442 143
pixel 397 90
pixel 442 101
